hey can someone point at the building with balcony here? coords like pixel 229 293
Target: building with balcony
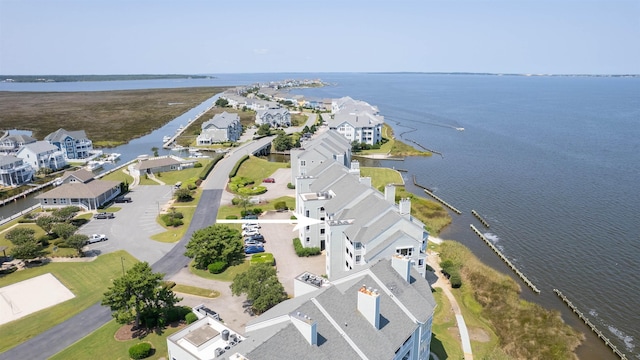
pixel 74 144
pixel 14 171
pixel 79 188
pixel 221 128
pixel 42 154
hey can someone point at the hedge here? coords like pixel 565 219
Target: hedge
pixel 234 171
pixel 140 351
pixel 217 267
pixel 303 251
pixel 190 317
pixel 207 169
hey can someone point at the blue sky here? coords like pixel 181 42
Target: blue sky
pixel 207 36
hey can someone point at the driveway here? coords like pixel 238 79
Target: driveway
pixel 134 224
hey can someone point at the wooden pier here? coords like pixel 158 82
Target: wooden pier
pixel 590 324
pixel 442 202
pixel 507 261
pixel 168 144
pixel 418 185
pixel 483 221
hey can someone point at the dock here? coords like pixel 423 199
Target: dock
pixel 169 143
pixel 507 261
pixel 590 324
pixel 443 202
pixel 483 221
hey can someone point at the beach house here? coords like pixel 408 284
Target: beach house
pixel 10 144
pixel 74 144
pixel 14 171
pixel 274 117
pixel 221 128
pixel 41 154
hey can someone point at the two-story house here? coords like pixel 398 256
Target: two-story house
pixel 274 117
pixel 74 144
pixel 42 154
pixel 12 143
pixel 14 171
pixel 222 127
pixel 327 146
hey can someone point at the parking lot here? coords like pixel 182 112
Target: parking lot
pixel 133 225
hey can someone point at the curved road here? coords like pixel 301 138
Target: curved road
pixel 63 335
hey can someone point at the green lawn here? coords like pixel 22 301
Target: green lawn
pixel 228 275
pixel 175 234
pixel 235 210
pixel 102 344
pixel 186 176
pixel 193 290
pixel 381 176
pixel 257 169
pixel 119 176
pixel 87 280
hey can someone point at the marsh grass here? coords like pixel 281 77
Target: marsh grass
pixel 129 113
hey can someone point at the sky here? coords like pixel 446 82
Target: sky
pixel 61 37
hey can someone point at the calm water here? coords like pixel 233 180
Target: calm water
pixel 551 163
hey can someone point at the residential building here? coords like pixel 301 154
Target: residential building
pixel 275 117
pixel 79 188
pixel 222 127
pixel 326 146
pixel 380 311
pixel 360 127
pixel 347 104
pixel 14 171
pixel 12 143
pixel 74 144
pixel 42 154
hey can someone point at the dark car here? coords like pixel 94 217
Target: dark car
pixel 123 199
pixel 104 215
pixel 253 249
pixel 250 217
pixel 269 180
pixel 256 237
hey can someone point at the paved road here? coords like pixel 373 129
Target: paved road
pixel 63 335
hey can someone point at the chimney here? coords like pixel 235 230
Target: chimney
pixel 365 181
pixel 306 326
pixel 404 207
pixel 369 305
pixel 402 264
pixel 355 167
pixel 390 193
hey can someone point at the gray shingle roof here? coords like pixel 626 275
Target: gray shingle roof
pixel 82 175
pixel 156 163
pixel 221 121
pixel 8 159
pixel 61 133
pixel 90 190
pixel 39 147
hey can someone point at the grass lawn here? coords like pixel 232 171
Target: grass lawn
pixel 393 146
pixel 228 275
pixel 381 176
pixel 186 176
pixel 449 346
pixel 193 290
pixel 257 169
pixel 50 250
pixel 235 210
pixel 119 176
pixel 102 344
pixel 87 280
pixel 174 234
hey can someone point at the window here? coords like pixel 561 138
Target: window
pixel 407 251
pixel 358 259
pixel 358 246
pixel 303 163
pixel 420 262
pixel 308 239
pixel 321 231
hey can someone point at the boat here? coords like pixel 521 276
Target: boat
pixel 112 157
pixel 178 148
pixel 166 138
pixel 94 165
pixel 460 128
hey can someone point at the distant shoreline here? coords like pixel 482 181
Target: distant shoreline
pixel 81 78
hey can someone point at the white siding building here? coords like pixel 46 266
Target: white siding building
pixel 222 127
pixel 42 154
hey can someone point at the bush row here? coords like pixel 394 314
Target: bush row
pixel 207 169
pixel 234 171
pixel 303 251
pixel 452 272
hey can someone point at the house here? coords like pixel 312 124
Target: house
pixel 327 146
pixel 41 154
pixel 347 104
pixel 360 127
pixel 159 165
pixel 74 144
pixel 222 127
pixel 14 171
pixel 12 143
pixel 381 311
pixel 79 188
pixel 361 224
pixel 274 117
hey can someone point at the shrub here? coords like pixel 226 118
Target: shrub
pixel 303 251
pixel 207 169
pixel 192 186
pixel 140 351
pixel 456 280
pixel 280 205
pixel 235 201
pixel 44 240
pixel 234 171
pixel 217 267
pixel 232 217
pixel 291 186
pixel 190 317
pixel 197 165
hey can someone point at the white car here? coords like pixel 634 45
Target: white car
pixel 249 232
pixel 250 226
pixel 94 238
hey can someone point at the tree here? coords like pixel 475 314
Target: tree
pixel 264 129
pixel 155 151
pixel 222 102
pixel 64 230
pixel 66 213
pixel 215 243
pixel 282 142
pixel 77 241
pixel 260 284
pixel 46 222
pixel 29 249
pixel 140 292
pixel 20 235
pixel 183 195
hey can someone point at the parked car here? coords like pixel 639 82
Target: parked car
pixel 123 199
pixel 253 249
pixel 249 225
pixel 256 237
pixel 94 238
pixel 104 215
pixel 248 232
pixel 250 217
pixel 252 243
pixel 269 180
